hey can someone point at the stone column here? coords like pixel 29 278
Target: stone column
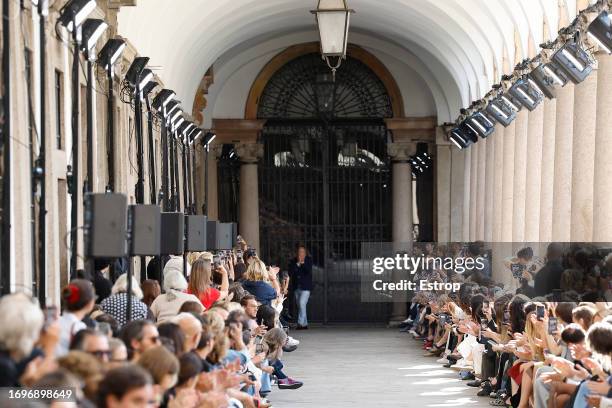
pixel 467 171
pixel 400 153
pixel 489 186
pixel 508 183
pixel 457 192
pixel 602 202
pixel 548 170
pixel 443 188
pixel 249 154
pixel 583 152
pixel 562 182
pixel 533 182
pixel 498 178
pixel 520 176
pixel 474 190
pixel 480 189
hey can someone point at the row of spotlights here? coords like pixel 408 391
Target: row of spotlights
pixel 570 63
pixel 73 16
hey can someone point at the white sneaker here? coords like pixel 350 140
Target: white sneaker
pixel 442 360
pixel 462 365
pixel 292 342
pixel 414 333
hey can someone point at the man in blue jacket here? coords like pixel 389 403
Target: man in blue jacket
pixel 300 278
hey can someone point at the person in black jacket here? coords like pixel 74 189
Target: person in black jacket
pixel 300 278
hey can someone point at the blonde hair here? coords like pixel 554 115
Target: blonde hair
pixel 256 271
pixel 216 325
pixel 200 278
pixel 20 323
pixel 120 286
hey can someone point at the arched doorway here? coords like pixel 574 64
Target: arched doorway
pixel 325 177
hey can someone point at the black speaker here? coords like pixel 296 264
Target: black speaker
pixel 196 232
pixel 211 235
pixel 172 233
pixel 105 220
pixel 224 235
pixel 145 226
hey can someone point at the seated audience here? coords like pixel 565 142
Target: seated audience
pixel 116 304
pixel 168 305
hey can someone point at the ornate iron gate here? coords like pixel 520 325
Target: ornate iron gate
pixel 325 178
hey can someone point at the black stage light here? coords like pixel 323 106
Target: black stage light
pixel 600 30
pixel 574 61
pixel 546 78
pixel 133 74
pixel 196 135
pixel 469 131
pixel 208 138
pixel 146 76
pixel 75 12
pixel 163 98
pixel 483 123
pixel 501 111
pixel 511 101
pixel 149 88
pixel 111 52
pixel 528 95
pixel 174 116
pixel 93 28
pixel 172 107
pixel 458 138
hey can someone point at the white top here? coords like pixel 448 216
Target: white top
pixel 69 325
pixel 166 306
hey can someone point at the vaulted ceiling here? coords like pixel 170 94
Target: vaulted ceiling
pixel 469 42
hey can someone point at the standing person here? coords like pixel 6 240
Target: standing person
pixel 300 275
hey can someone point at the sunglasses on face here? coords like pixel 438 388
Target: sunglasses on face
pixel 101 353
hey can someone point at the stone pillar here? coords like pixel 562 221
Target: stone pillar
pixel 583 152
pixel 400 153
pixel 480 189
pixel 249 154
pixel 489 186
pixel 474 190
pixel 498 177
pixel 533 182
pixel 508 183
pixel 443 189
pixel 457 192
pixel 467 171
pixel 562 185
pixel 520 176
pixel 547 170
pixel 602 202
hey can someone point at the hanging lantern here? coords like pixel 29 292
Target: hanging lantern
pixel 333 19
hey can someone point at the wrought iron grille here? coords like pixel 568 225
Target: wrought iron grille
pixel 304 89
pixel 328 186
pixel 325 178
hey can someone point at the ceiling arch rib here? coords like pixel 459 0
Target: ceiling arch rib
pixel 230 71
pixel 451 35
pixel 290 20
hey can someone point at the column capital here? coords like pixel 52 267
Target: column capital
pixel 237 130
pixel 249 152
pixel 401 151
